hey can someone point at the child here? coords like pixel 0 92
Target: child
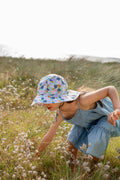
pixel 94 115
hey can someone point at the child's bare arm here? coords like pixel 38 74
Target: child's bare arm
pixel 49 136
pixel 89 98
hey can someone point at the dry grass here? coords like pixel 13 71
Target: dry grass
pixel 22 126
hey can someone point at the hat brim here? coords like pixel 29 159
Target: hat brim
pixel 70 95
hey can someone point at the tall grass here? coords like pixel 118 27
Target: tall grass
pixel 22 126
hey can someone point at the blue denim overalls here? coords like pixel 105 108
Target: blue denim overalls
pixel 91 126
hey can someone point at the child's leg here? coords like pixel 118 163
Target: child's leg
pixel 73 151
pixel 95 159
pixel 73 155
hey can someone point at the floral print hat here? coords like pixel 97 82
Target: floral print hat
pixel 53 89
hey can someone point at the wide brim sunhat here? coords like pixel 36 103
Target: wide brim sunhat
pixel 53 89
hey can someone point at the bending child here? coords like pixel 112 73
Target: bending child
pixel 94 115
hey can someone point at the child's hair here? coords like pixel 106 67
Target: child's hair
pixel 69 101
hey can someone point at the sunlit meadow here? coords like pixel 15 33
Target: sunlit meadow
pixel 22 126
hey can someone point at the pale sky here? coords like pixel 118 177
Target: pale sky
pixel 59 28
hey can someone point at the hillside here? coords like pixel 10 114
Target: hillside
pixel 22 126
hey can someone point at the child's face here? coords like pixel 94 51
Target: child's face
pixel 52 107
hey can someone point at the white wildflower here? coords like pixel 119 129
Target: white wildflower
pixel 83 147
pixel 24 175
pixel 108 162
pixel 39 178
pixel 106 167
pixel 85 164
pixel 33 167
pixel 13 176
pixel 42 173
pixel 90 157
pixel 24 162
pixel 7 175
pixel 100 165
pixel 37 114
pixel 102 157
pixel 87 169
pixel 105 176
pixel 4 139
pixel 45 122
pixel 51 152
pixel 63 148
pixel 4 132
pixel 29 172
pixel 68 162
pixel 35 173
pixel 115 169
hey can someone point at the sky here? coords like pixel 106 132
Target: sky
pixel 61 28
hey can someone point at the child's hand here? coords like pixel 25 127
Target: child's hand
pixel 113 116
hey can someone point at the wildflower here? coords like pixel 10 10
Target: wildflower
pixel 37 114
pixel 68 162
pixel 24 174
pixel 115 169
pixel 4 132
pixel 102 157
pixel 87 169
pixel 35 173
pixel 105 176
pixel 108 162
pixel 51 152
pixel 83 147
pixel 90 157
pixel 100 165
pixel 85 164
pixel 39 178
pixel 24 162
pixel 33 167
pixel 29 172
pixel 14 152
pixel 42 173
pixel 44 122
pixel 106 167
pixel 39 138
pixel 13 176
pixel 7 175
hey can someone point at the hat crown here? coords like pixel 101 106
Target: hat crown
pixel 52 85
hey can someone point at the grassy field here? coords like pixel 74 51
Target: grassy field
pixel 22 126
